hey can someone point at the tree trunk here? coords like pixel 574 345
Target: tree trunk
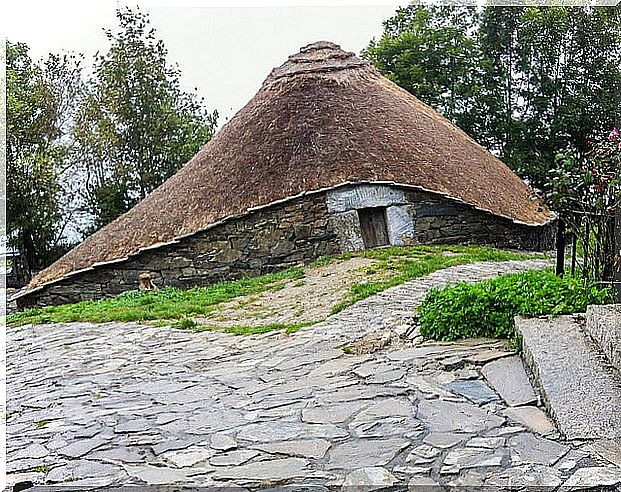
pixel 29 253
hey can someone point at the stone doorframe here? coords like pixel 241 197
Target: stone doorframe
pixel 343 205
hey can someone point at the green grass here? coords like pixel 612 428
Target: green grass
pixel 41 423
pixel 169 303
pixel 185 324
pixel 488 308
pixel 400 265
pixel 321 261
pixel 171 306
pixel 289 328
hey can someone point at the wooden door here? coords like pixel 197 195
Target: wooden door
pixel 373 226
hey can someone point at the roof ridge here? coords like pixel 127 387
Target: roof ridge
pixel 317 57
pixel 322 44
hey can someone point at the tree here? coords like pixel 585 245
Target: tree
pixel 38 96
pixel 555 73
pixel 526 82
pixel 135 127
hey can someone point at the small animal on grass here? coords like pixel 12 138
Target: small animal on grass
pixel 146 283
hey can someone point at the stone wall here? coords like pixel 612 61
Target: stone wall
pixel 438 220
pixel 603 324
pixel 420 217
pixel 264 241
pixel 291 233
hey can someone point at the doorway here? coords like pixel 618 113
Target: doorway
pixel 373 227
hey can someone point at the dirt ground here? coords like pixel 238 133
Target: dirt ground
pixel 298 301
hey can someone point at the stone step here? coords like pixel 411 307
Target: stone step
pixel 508 377
pixel 604 326
pixel 581 390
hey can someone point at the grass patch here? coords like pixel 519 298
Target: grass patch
pixel 289 328
pixel 43 468
pixel 293 327
pixel 347 349
pixel 515 342
pixel 168 303
pixel 41 423
pixel 185 324
pixel 487 309
pixel 395 266
pixel 321 261
pixel 276 287
pixel 170 306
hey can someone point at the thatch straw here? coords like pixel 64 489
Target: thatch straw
pixel 323 118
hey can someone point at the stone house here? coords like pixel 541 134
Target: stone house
pixel 329 156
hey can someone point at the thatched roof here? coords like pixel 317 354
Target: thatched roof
pixel 322 119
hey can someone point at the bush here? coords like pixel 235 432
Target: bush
pixel 487 309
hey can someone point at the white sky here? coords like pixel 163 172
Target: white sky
pixel 224 49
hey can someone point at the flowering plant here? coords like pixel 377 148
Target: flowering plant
pixel 591 184
pixel 586 192
pixel 605 173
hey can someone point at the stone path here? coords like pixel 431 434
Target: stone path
pixel 111 404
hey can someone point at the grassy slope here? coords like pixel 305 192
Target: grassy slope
pixel 405 264
pixel 168 303
pixel 394 266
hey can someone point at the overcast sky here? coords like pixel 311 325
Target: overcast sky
pixel 224 51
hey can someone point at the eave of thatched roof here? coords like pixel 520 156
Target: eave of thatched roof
pixel 323 119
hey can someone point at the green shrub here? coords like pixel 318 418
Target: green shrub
pixel 487 309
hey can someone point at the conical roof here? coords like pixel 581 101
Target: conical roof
pixel 322 119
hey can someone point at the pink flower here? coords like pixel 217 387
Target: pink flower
pixel 613 135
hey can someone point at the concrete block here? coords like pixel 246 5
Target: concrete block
pixel 604 326
pixel 581 391
pixel 363 196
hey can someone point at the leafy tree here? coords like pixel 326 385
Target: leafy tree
pixel 38 98
pixel 526 82
pixel 136 127
pixel 555 73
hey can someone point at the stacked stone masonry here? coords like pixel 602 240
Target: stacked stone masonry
pixel 290 233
